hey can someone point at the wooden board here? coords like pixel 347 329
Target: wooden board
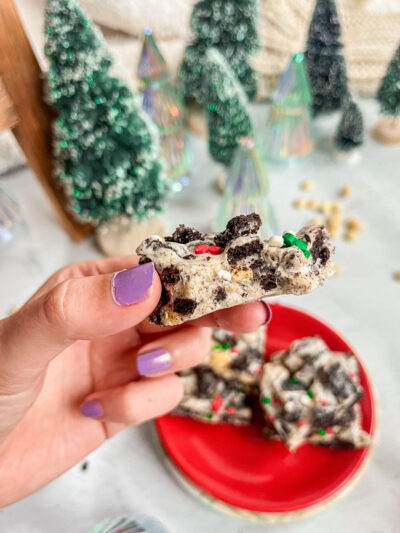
pixel 22 80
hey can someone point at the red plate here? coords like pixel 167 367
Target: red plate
pixel 239 467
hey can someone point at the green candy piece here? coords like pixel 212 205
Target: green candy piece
pixel 307 253
pixel 295 381
pixel 226 346
pixel 267 400
pixel 217 346
pixel 209 416
pixel 310 394
pixel 301 244
pixel 322 432
pixel 289 239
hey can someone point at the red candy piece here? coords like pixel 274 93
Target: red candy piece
pixel 259 370
pixel 301 423
pixel 329 431
pixel 201 249
pixel 215 250
pixel 230 410
pixel 324 402
pixel 217 403
pixel 235 351
pixel 275 399
pixel 271 418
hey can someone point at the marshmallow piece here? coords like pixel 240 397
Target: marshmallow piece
pixel 276 241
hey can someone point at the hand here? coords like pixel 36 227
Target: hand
pixel 73 370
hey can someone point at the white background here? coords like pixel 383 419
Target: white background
pixel 362 302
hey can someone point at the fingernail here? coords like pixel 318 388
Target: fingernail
pixel 92 409
pixel 132 286
pixel 153 361
pixel 268 313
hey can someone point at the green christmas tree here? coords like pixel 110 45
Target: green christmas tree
pixel 389 91
pixel 350 132
pixel 325 61
pixel 225 107
pixel 106 147
pixel 229 26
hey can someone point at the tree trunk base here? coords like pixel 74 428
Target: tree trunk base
pixel 387 130
pixel 122 236
pixel 196 120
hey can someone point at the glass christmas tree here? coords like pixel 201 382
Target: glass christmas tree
pixel 106 147
pixel 246 189
pixel 325 61
pixel 9 217
pixel 229 26
pixel 164 104
pixel 288 129
pixel 225 107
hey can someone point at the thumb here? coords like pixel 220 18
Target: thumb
pixel 76 309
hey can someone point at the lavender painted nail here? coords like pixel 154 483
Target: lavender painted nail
pixel 268 313
pixel 92 409
pixel 153 361
pixel 131 286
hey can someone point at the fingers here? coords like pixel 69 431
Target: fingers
pixel 135 402
pixel 182 349
pixel 79 308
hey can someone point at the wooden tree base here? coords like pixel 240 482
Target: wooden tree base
pixel 388 130
pixel 196 120
pixel 122 236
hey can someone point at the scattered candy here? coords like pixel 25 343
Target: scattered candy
pixel 215 250
pixel 336 208
pixel 351 235
pixel 317 221
pixel 325 208
pixel 201 249
pixel 346 190
pixel 307 185
pixel 300 203
pixel 354 224
pixel 313 204
pixel 276 241
pixel 217 403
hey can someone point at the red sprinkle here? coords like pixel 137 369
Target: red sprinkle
pixel 234 350
pixel 230 410
pixel 215 250
pixel 275 399
pixel 271 418
pixel 324 402
pixel 329 431
pixel 201 249
pixel 259 370
pixel 301 422
pixel 352 375
pixel 217 403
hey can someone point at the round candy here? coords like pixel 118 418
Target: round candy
pixel 215 250
pixel 201 249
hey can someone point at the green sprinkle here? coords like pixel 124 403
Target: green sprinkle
pixel 322 432
pixel 307 253
pixel 209 416
pixel 310 394
pixel 295 381
pixel 217 346
pixel 226 346
pixel 239 390
pixel 266 400
pixel 289 239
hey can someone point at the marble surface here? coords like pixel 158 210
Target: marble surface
pixel 362 302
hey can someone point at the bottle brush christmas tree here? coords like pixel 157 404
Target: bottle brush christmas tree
pixel 225 107
pixel 229 26
pixel 163 102
pixel 388 130
pixel 325 62
pixel 288 130
pixel 350 132
pixel 106 147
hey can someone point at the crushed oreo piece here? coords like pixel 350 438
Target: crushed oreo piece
pixel 184 306
pixel 341 385
pixel 183 235
pixel 170 275
pixel 143 259
pixel 239 253
pixel 219 294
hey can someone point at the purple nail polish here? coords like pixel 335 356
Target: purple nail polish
pixel 131 286
pixel 268 313
pixel 153 361
pixel 92 409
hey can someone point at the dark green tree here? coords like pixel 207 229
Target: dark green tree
pixel 389 91
pixel 350 132
pixel 229 26
pixel 106 147
pixel 225 107
pixel 325 62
